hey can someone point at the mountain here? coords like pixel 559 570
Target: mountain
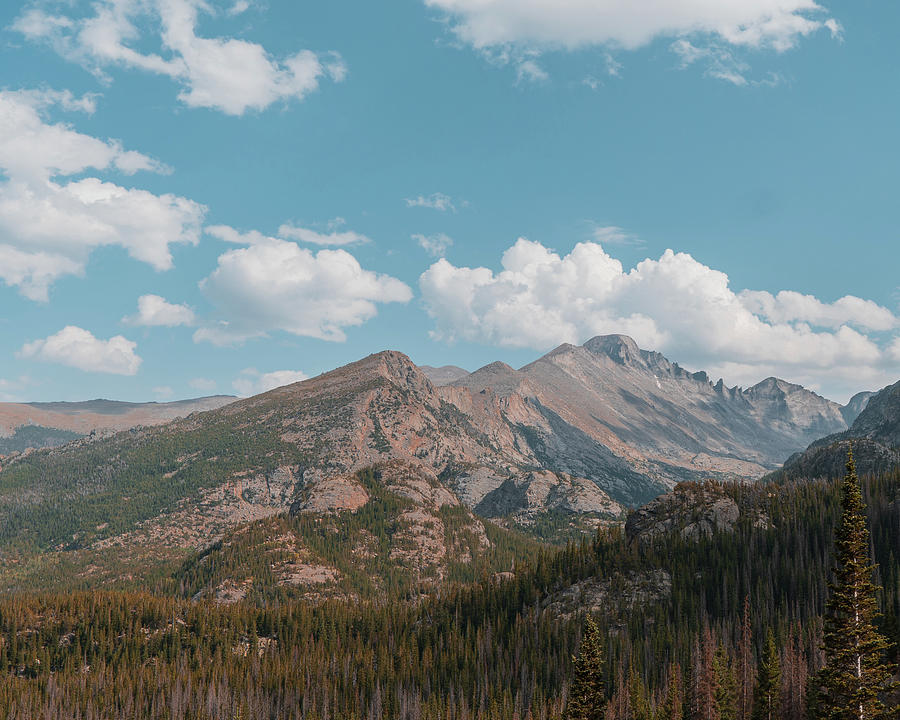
pixel 855 406
pixel 874 435
pixel 108 508
pixel 49 424
pixel 443 375
pixel 630 412
pixel 553 449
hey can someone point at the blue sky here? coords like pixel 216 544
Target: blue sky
pixel 197 196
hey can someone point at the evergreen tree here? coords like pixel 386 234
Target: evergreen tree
pixel 767 702
pixel 587 697
pixel 672 707
pixel 856 670
pixel 726 685
pixel 637 697
pixel 745 665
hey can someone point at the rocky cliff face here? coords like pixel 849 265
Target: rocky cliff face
pixel 855 406
pixel 692 511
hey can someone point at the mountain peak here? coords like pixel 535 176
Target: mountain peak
pixel 497 375
pixel 619 348
pixel 776 386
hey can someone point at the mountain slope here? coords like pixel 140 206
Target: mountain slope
pixel 659 420
pixel 874 434
pixel 148 497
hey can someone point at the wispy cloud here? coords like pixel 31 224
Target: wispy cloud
pixel 435 245
pixel 435 201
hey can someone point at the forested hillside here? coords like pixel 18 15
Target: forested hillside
pixel 672 590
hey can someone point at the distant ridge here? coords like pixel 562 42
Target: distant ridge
pixel 49 424
pixel 443 375
pixel 874 435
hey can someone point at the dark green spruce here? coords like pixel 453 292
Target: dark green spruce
pixel 857 674
pixel 587 696
pixel 767 701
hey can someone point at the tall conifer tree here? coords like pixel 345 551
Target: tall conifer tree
pixel 856 672
pixel 767 703
pixel 587 697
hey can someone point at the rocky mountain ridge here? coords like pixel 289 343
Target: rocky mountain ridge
pixel 664 422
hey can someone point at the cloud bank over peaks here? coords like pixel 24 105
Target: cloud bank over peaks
pixel 226 74
pixel 675 304
pixel 49 226
pixel 517 30
pixel 273 284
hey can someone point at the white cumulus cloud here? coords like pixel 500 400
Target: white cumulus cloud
pixel 674 304
pixel 253 382
pixel 514 30
pixel 78 348
pixel 154 310
pixel 223 73
pixel 49 225
pixel 275 284
pixel 789 306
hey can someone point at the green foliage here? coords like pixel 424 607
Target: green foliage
pixel 856 673
pixel 587 695
pixel 70 497
pixel 35 436
pixel 767 698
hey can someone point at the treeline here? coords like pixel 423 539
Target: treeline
pixel 490 650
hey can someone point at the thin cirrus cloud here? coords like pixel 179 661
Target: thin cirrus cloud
pixel 435 201
pixel 335 238
pixel 253 382
pixel 288 231
pixel 156 311
pixel 674 304
pixel 516 31
pixel 226 74
pixel 273 284
pixel 78 348
pixel 49 225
